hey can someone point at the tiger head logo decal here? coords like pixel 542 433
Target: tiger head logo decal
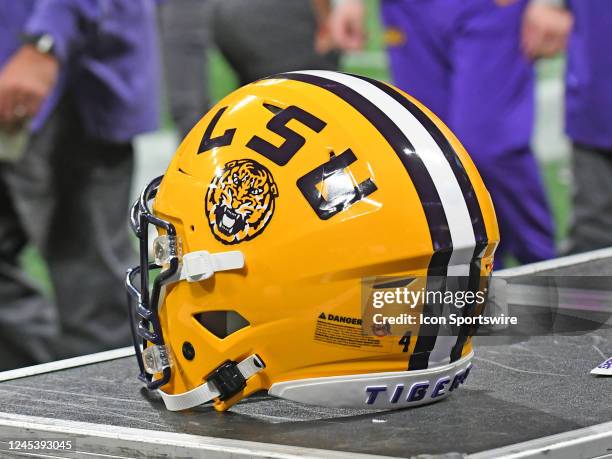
pixel 240 201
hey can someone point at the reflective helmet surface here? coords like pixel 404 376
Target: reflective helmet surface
pixel 288 195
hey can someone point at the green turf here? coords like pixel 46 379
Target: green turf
pixel 221 76
pixel 36 269
pixel 556 178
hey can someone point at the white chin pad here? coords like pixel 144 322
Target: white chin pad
pixel 391 390
pixel 202 265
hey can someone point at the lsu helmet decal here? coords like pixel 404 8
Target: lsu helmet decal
pixel 240 201
pixel 276 209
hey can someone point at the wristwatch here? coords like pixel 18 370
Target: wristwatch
pixel 44 42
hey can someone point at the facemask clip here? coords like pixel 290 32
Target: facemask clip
pixel 156 358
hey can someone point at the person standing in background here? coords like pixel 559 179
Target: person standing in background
pixel 588 117
pixel 263 37
pixel 471 64
pixel 80 79
pixel 185 37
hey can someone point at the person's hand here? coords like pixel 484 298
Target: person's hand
pixel 25 82
pixel 545 30
pixel 323 40
pixel 347 25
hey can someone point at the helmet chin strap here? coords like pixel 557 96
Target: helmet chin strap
pixel 215 386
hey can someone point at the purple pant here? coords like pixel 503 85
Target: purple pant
pixel 463 60
pixel 589 73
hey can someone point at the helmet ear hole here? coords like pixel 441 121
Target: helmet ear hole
pixel 222 323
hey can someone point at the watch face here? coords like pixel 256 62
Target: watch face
pixel 45 44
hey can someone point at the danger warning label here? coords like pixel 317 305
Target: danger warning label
pixel 344 331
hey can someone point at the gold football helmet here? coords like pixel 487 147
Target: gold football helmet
pixel 276 212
